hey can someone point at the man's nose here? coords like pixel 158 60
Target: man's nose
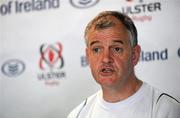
pixel 107 57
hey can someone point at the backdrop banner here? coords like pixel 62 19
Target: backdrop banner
pixel 44 71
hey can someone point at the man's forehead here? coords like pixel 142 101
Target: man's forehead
pixel 104 22
pixel 108 32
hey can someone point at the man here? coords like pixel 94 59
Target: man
pixel 112 52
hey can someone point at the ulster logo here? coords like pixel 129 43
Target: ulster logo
pixel 52 63
pixel 51 56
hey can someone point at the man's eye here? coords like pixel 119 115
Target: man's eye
pixel 96 50
pixel 117 49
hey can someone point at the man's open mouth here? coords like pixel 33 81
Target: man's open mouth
pixel 106 71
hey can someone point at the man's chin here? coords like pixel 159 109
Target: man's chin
pixel 105 80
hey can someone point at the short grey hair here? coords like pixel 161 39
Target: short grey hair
pixel 101 22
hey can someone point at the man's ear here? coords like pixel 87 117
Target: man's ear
pixel 136 54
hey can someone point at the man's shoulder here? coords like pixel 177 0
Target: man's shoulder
pixel 166 101
pixel 164 105
pixel 76 111
pixel 160 95
pixel 167 106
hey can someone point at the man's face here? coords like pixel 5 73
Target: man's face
pixel 110 55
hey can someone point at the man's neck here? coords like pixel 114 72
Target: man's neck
pixel 125 91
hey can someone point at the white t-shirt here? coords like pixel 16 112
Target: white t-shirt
pixel 147 102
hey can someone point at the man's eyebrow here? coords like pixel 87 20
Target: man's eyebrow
pixel 118 41
pixel 93 42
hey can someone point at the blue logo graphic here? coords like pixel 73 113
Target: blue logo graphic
pixel 13 68
pixel 83 3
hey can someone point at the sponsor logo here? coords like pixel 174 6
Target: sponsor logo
pixel 84 61
pixel 51 56
pixel 13 68
pixel 26 6
pixel 147 56
pixel 35 5
pixel 134 0
pixel 51 64
pixel 83 3
pixel 141 11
